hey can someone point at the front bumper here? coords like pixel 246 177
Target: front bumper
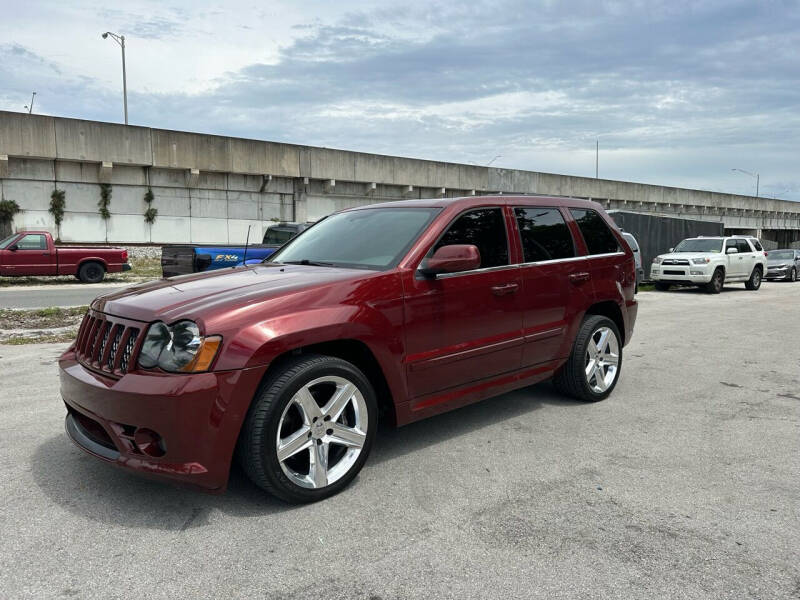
pixel 688 274
pixel 778 274
pixel 197 418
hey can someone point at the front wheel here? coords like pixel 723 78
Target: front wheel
pixel 755 280
pixel 793 275
pixel 310 429
pixel 592 369
pixel 717 281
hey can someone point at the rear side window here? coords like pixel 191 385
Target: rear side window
pixel 757 245
pixel 743 246
pixel 596 234
pixel 484 228
pixel 544 234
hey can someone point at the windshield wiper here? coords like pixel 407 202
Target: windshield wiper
pixel 305 261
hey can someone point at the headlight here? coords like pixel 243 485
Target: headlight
pixel 178 348
pixel 657 260
pixel 701 261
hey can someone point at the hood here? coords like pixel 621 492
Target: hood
pixel 199 295
pixel 689 255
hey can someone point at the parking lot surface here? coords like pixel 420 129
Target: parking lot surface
pixel 683 484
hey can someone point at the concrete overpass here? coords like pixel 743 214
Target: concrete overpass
pixel 209 188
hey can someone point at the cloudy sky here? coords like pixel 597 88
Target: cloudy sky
pixel 677 92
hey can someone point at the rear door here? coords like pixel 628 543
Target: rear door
pixel 464 327
pixel 32 256
pixel 549 300
pixel 748 254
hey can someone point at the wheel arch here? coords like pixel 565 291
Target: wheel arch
pixel 611 310
pixel 94 259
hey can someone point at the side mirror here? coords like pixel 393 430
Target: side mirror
pixel 671 249
pixel 452 259
pixel 732 251
pixel 13 247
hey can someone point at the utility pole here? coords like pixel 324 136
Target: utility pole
pixel 30 108
pixel 120 39
pixel 597 159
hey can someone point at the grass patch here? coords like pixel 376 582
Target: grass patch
pixel 41 318
pixel 149 268
pixel 45 338
pixel 646 287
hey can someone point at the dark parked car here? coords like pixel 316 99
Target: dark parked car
pixel 180 259
pixel 783 264
pixel 406 308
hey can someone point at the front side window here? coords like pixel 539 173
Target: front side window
pixel 370 238
pixel 484 228
pixel 596 234
pixel 731 244
pixel 32 242
pixel 544 234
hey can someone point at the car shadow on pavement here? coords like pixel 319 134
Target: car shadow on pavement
pixel 99 492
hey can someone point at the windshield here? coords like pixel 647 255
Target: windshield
pixel 5 242
pixel 699 245
pixel 780 255
pixel 372 238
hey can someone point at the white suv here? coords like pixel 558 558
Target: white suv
pixel 709 262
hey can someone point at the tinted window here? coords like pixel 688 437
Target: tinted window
pixel 757 245
pixel 484 228
pixel 371 238
pixel 544 234
pixel 598 237
pixel 278 236
pixel 32 242
pixel 743 246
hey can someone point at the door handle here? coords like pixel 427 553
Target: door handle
pixel 506 288
pixel 579 277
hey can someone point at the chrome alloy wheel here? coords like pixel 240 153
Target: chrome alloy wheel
pixel 321 432
pixel 602 359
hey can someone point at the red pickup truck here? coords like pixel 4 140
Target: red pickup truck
pixel 404 309
pixel 35 253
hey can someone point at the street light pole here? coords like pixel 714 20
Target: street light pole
pixel 30 108
pixel 120 39
pixel 756 175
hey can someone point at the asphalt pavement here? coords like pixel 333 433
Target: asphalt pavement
pixel 43 296
pixel 683 484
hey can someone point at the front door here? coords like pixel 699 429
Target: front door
pixel 464 327
pixel 32 256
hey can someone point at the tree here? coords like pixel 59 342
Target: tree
pixel 150 213
pixel 8 208
pixel 57 205
pixel 104 203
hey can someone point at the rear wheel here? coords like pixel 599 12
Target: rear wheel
pixel 91 272
pixel 661 286
pixel 717 281
pixel 310 429
pixel 755 280
pixel 592 369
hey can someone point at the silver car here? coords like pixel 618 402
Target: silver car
pixel 637 257
pixel 783 264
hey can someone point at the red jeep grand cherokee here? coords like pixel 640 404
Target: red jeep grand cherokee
pixel 409 308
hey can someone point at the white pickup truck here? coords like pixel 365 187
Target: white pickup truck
pixel 710 262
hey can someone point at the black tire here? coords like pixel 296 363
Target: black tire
pixel 662 287
pixel 256 447
pixel 793 275
pixel 91 272
pixel 570 379
pixel 755 279
pixel 717 282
